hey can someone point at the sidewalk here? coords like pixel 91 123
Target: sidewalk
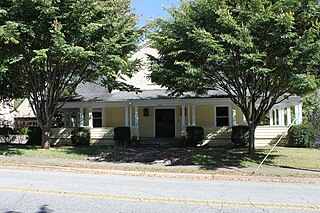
pixel 160 169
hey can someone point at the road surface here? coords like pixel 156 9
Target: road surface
pixel 46 191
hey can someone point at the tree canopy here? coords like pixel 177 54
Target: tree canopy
pixel 258 51
pixel 47 46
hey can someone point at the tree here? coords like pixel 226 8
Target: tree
pixel 311 110
pixel 259 51
pixel 50 46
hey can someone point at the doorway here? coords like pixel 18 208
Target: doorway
pixel 165 123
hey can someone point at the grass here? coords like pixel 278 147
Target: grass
pixel 299 158
pixel 66 152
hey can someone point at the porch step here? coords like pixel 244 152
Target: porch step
pixel 160 141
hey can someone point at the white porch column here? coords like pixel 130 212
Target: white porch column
pixel 281 117
pixel 275 117
pixel 193 108
pixel 90 118
pixel 288 116
pixel 183 116
pixel 271 117
pixel 81 122
pixel 189 123
pixel 130 116
pixel 136 116
pixel 296 114
pixel 234 115
pixel 300 113
pixel 126 120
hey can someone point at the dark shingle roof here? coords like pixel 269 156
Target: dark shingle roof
pixel 92 92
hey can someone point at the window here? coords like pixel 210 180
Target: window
pixel 97 117
pixel 222 116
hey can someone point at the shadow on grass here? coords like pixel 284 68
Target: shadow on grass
pixel 15 149
pixel 205 157
pixel 214 158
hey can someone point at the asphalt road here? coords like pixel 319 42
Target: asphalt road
pixel 45 191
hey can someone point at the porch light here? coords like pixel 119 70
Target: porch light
pixel 145 111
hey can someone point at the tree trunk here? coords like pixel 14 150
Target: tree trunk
pixel 251 148
pixel 46 136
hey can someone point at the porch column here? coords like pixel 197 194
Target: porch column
pixel 271 117
pixel 130 116
pixel 90 118
pixel 183 116
pixel 234 115
pixel 136 116
pixel 288 116
pixel 281 117
pixel 300 113
pixel 276 117
pixel 297 114
pixel 126 121
pixel 189 123
pixel 81 122
pixel 193 108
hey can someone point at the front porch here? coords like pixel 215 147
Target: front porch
pixel 154 120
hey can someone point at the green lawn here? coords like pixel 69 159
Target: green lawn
pixel 67 152
pixel 211 157
pixel 281 157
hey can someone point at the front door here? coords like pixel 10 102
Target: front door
pixel 165 123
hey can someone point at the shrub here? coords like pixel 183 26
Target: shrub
pixel 80 136
pixel 240 136
pixel 5 134
pixel 195 134
pixel 122 136
pixel 35 136
pixel 22 131
pixel 301 136
pixel 6 131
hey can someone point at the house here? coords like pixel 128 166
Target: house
pixel 24 115
pixel 152 114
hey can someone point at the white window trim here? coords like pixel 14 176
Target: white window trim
pixel 229 114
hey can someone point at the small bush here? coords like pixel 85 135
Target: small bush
pixel 122 136
pixel 35 136
pixel 240 136
pixel 80 136
pixel 22 131
pixel 195 134
pixel 5 134
pixel 301 136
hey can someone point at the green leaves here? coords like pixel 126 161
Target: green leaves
pixel 253 50
pixel 47 46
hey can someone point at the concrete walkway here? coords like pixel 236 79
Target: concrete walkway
pixel 162 169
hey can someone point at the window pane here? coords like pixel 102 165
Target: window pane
pixel 222 121
pixel 222 111
pixel 222 116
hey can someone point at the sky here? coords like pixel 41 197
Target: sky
pixel 146 9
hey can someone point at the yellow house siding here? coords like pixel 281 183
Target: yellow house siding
pixel 86 117
pixel 108 117
pixel 146 123
pixel 118 116
pixel 114 116
pixel 178 121
pixel 239 117
pixel 204 115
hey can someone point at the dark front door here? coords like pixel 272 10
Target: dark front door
pixel 165 127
